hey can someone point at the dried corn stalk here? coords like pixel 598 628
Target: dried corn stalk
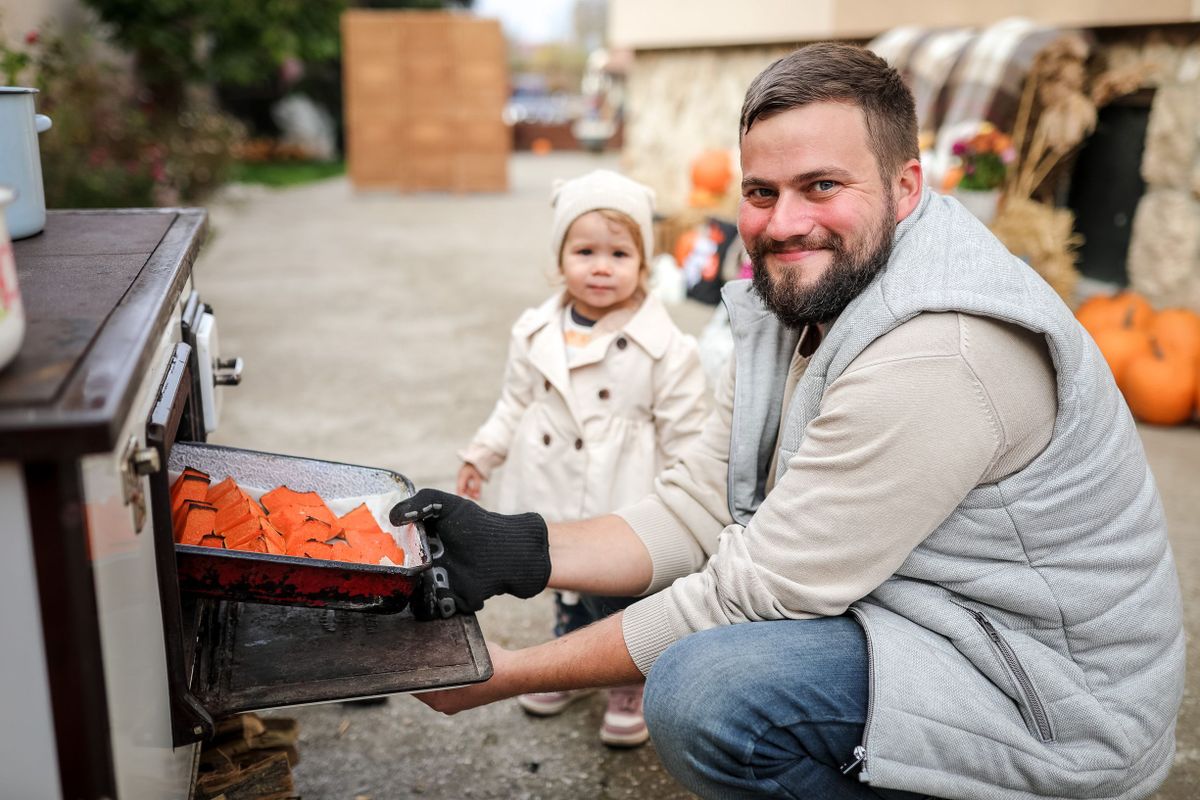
pixel 1057 112
pixel 1044 236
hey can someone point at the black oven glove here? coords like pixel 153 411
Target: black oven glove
pixel 476 554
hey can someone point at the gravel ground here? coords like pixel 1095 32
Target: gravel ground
pixel 374 329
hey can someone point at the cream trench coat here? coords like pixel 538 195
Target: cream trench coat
pixel 586 438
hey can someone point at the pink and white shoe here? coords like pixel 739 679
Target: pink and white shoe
pixel 624 725
pixel 548 704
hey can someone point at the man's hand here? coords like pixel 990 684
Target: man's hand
pixel 589 657
pixel 483 553
pixel 452 701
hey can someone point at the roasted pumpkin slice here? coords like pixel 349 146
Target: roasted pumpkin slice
pixel 282 496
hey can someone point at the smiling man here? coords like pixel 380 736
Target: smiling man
pixel 917 550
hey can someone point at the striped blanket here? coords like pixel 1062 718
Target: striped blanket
pixel 961 77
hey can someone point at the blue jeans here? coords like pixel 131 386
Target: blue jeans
pixel 764 709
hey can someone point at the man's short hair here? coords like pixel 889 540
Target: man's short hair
pixel 841 73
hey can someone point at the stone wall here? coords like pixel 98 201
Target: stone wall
pixel 1164 252
pixel 681 102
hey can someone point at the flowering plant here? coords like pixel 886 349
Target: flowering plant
pixel 983 160
pixel 13 62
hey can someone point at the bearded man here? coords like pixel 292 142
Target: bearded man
pixel 917 550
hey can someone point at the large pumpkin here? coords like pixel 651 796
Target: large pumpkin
pixel 1178 330
pixel 1119 346
pixel 711 171
pixel 1160 386
pixel 1126 309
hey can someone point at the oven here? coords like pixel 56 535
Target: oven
pixel 120 653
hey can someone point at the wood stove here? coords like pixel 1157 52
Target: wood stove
pixel 112 675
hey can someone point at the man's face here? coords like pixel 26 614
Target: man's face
pixel 816 217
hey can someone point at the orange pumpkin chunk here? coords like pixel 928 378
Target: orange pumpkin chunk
pixel 360 519
pixel 194 521
pixel 282 496
pixel 317 550
pixel 218 491
pixel 192 484
pixel 235 513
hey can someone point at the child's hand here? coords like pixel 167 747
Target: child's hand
pixel 470 481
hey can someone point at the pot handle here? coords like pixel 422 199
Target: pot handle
pixel 41 122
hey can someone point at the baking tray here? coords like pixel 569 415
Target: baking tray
pixel 292 580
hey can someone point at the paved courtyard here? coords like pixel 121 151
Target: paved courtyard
pixel 374 330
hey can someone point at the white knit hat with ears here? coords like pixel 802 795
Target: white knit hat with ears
pixel 599 189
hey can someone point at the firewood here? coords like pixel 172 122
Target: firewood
pixel 265 777
pixel 241 726
pixel 280 732
pixel 249 758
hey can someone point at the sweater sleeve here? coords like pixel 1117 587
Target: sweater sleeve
pixel 489 447
pixel 901 437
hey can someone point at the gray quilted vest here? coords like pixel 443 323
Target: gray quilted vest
pixel 1032 645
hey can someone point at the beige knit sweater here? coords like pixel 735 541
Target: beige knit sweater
pixel 941 404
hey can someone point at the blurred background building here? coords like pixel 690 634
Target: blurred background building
pixel 162 101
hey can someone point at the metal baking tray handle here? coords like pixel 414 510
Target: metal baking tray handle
pixel 440 579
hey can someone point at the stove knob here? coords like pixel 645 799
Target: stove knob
pixel 228 372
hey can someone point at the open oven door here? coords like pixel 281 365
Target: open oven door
pixel 226 656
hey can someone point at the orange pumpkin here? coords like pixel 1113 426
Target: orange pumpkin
pixel 711 171
pixel 1126 309
pixel 701 198
pixel 1177 329
pixel 1119 346
pixel 1160 386
pixel 684 245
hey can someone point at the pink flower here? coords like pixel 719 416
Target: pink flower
pixel 959 148
pixel 291 70
pixel 32 37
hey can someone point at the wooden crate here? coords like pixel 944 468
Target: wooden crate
pixel 424 96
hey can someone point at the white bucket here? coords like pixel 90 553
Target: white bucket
pixel 20 161
pixel 12 314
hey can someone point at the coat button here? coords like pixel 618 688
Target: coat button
pixel 547 385
pixel 579 444
pixel 622 343
pixel 603 393
pixel 546 439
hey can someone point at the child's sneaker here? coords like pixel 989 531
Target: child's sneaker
pixel 547 704
pixel 624 725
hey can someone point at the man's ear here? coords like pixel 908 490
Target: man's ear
pixel 907 188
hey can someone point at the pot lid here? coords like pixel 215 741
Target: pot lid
pixel 18 90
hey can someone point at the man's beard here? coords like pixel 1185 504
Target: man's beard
pixel 850 272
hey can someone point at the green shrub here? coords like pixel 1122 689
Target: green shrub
pixel 106 149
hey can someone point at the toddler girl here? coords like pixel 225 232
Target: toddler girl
pixel 601 392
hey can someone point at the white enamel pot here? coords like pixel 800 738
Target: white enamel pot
pixel 20 161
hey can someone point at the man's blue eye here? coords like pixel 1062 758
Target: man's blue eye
pixel 825 186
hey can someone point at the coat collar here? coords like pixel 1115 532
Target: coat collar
pixel 649 325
